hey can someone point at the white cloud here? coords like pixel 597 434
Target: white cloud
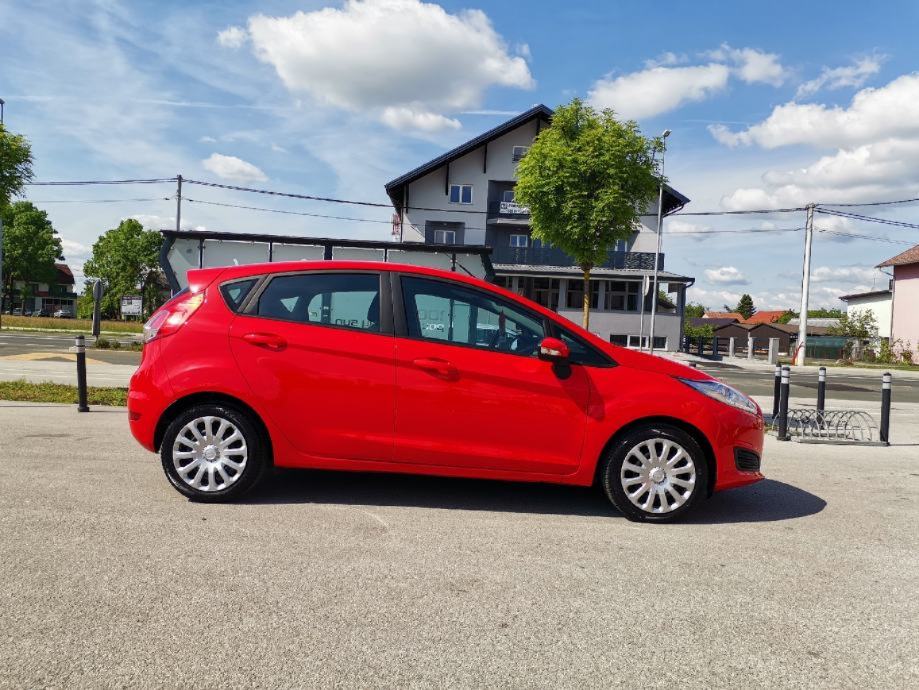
pixel 752 66
pixel 404 60
pixel 676 226
pixel 843 274
pixel 852 76
pixel 658 90
pixel 888 111
pixel 232 37
pixel 207 140
pixel 74 249
pixel 666 59
pixel 408 119
pixel 233 168
pixel 726 275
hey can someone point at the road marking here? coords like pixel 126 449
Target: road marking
pixel 44 356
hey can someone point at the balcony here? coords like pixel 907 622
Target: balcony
pixel 551 256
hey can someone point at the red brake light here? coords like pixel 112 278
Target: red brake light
pixel 170 317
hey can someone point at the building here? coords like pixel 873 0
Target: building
pixel 905 299
pixel 760 332
pixel 45 298
pixel 879 302
pixel 765 317
pixel 466 197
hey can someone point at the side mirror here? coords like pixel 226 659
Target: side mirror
pixel 553 350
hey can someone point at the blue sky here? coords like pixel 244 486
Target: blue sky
pixel 771 105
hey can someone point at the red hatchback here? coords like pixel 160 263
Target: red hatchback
pixel 382 367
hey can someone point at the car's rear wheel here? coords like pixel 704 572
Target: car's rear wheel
pixel 655 473
pixel 213 453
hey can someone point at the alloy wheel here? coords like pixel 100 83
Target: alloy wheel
pixel 209 453
pixel 658 475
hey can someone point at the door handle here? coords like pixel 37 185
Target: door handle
pixel 436 365
pixel 266 340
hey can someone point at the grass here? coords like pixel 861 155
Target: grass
pixel 72 325
pixel 24 391
pixel 842 364
pixel 106 344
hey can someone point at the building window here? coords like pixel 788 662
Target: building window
pixel 520 152
pixel 621 246
pixel 520 240
pixel 445 237
pixel 634 341
pixel 575 295
pixel 507 196
pixel 619 339
pixel 621 295
pixel 545 292
pixel 460 193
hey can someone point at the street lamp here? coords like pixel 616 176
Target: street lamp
pixel 2 103
pixel 660 237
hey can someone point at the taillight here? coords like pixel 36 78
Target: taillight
pixel 170 317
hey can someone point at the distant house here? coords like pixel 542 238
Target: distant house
pixel 880 302
pixel 765 317
pixel 46 298
pixel 466 197
pixel 905 297
pixel 760 332
pixel 732 315
pixel 701 321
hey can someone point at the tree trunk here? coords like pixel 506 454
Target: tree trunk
pixel 586 306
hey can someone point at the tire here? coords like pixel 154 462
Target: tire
pixel 659 462
pixel 218 467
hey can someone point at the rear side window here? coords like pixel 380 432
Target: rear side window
pixel 234 293
pixel 345 300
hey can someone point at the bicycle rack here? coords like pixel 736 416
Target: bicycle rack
pixel 832 426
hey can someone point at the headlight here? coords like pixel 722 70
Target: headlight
pixel 723 393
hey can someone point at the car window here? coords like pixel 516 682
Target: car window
pixel 234 293
pixel 441 311
pixel 581 352
pixel 346 300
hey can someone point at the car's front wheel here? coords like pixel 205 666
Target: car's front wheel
pixel 213 453
pixel 654 473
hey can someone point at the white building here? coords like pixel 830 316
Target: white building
pixel 466 197
pixel 880 302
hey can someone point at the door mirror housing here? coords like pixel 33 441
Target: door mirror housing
pixel 553 350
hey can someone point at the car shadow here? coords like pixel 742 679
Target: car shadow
pixel 766 501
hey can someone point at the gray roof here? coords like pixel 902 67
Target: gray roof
pixel 634 273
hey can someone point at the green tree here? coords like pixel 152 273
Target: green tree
pixel 860 324
pixel 126 260
pixel 15 165
pixel 30 245
pixel 695 310
pixel 745 306
pixel 586 180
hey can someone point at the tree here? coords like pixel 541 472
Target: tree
pixel 860 324
pixel 695 310
pixel 586 180
pixel 15 165
pixel 30 245
pixel 745 306
pixel 126 260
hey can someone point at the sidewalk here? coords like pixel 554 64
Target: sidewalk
pixel 97 373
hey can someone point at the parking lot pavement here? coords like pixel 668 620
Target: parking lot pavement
pixel 38 371
pixel 109 577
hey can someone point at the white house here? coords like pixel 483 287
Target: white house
pixel 466 197
pixel 880 302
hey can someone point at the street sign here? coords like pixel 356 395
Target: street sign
pixel 132 305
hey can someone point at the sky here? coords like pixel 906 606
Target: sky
pixel 771 105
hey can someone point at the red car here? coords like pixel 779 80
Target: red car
pixel 382 367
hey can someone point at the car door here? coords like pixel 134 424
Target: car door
pixel 471 391
pixel 316 348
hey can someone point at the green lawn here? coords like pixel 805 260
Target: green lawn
pixel 24 391
pixel 71 325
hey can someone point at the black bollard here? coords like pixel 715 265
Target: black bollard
pixel 783 404
pixel 701 345
pixel 82 405
pixel 885 409
pixel 821 390
pixel 776 391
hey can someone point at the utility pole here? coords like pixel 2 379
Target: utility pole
pixel 805 287
pixel 178 202
pixel 2 103
pixel 660 237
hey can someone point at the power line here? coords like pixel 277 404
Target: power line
pixel 82 183
pixel 291 213
pixel 875 203
pixel 855 235
pixel 730 232
pixel 870 219
pixel 98 201
pixel 737 213
pixel 290 195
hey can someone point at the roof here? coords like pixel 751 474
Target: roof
pixel 765 317
pixel 673 200
pixel 910 256
pixel 816 321
pixel 521 269
pixel 64 275
pixel 698 321
pixel 723 315
pixel 793 328
pixel 861 295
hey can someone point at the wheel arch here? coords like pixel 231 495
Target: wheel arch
pixel 683 425
pixel 213 398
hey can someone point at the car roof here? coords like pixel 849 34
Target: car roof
pixel 231 272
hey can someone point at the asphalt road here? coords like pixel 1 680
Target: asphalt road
pixel 840 383
pixel 17 343
pixel 108 577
